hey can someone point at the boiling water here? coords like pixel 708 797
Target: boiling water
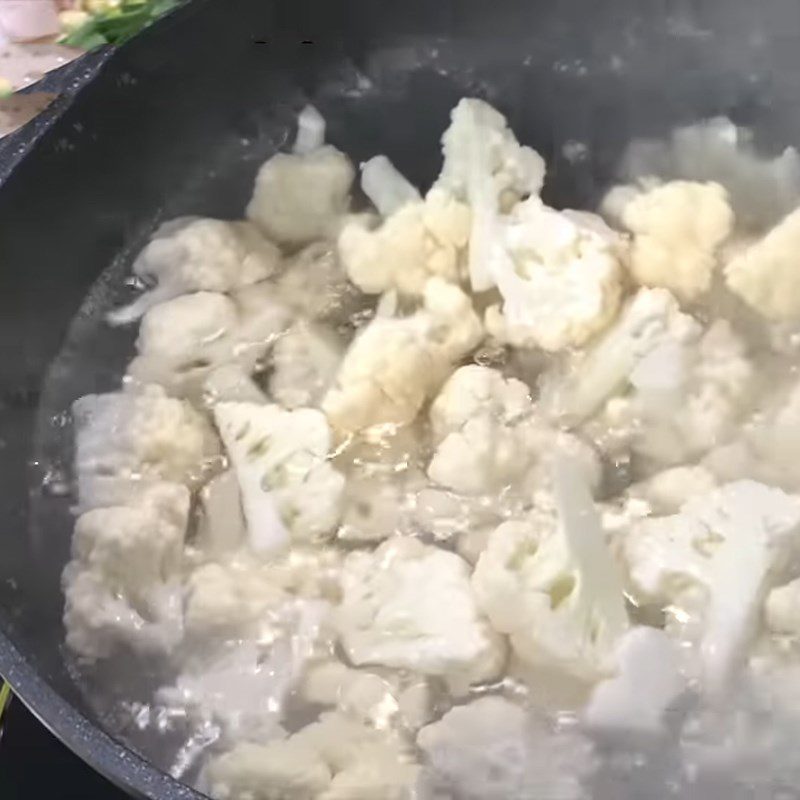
pixel 743 748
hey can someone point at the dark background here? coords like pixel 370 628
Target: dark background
pixel 33 764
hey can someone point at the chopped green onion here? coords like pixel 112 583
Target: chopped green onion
pixel 5 697
pixel 118 24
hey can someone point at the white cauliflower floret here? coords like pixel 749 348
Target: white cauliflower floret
pixel 761 189
pixel 381 778
pixel 667 491
pixel 377 506
pixel 559 274
pixel 718 557
pixel 768 447
pixel 380 698
pixel 515 171
pixel 179 329
pixel 310 131
pixel 231 599
pixel 121 587
pixel 712 382
pixel 467 518
pixel 650 323
pixel 305 361
pixel 550 583
pixel 382 466
pixel 782 609
pixel 125 439
pixel 385 186
pixel 221 527
pixel 485 166
pixel 245 596
pixel 385 619
pixel 181 342
pixel 194 255
pixel 635 702
pixel 482 423
pixel 332 759
pixel 240 686
pixel 301 196
pixel 280 458
pixel 677 229
pixel 231 383
pixel 491 749
pixel 283 768
pixel 655 360
pixel 315 286
pixel 765 274
pixel 418 241
pixel 396 363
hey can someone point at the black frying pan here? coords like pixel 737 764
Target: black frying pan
pixel 177 122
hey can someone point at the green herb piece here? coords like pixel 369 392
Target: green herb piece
pixel 118 24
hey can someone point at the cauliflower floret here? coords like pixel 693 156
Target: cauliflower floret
pixel 239 688
pixel 231 383
pixel 550 582
pixel 381 699
pixel 489 436
pixel 515 171
pixel 194 255
pixel 474 390
pixel 635 702
pixel 761 190
pixel 485 166
pixel 385 186
pixel 178 329
pixel 491 749
pixel 368 764
pixel 310 131
pixel 651 322
pixel 677 229
pixel 127 439
pixel 221 527
pixel 377 779
pixel 315 286
pixel 416 242
pixel 278 770
pixel 183 341
pixel 305 361
pixel 765 274
pixel 301 197
pixel 667 491
pixel 469 518
pixel 385 619
pixel 121 587
pixel 654 360
pixel 560 277
pixel 383 469
pixel 332 759
pixel 782 609
pixel 378 506
pixel 712 382
pixel 768 447
pixel 718 557
pixel 396 363
pixel 280 459
pixel 244 596
pixel 231 599
pixel 482 423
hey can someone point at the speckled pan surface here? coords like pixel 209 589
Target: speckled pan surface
pixel 177 122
